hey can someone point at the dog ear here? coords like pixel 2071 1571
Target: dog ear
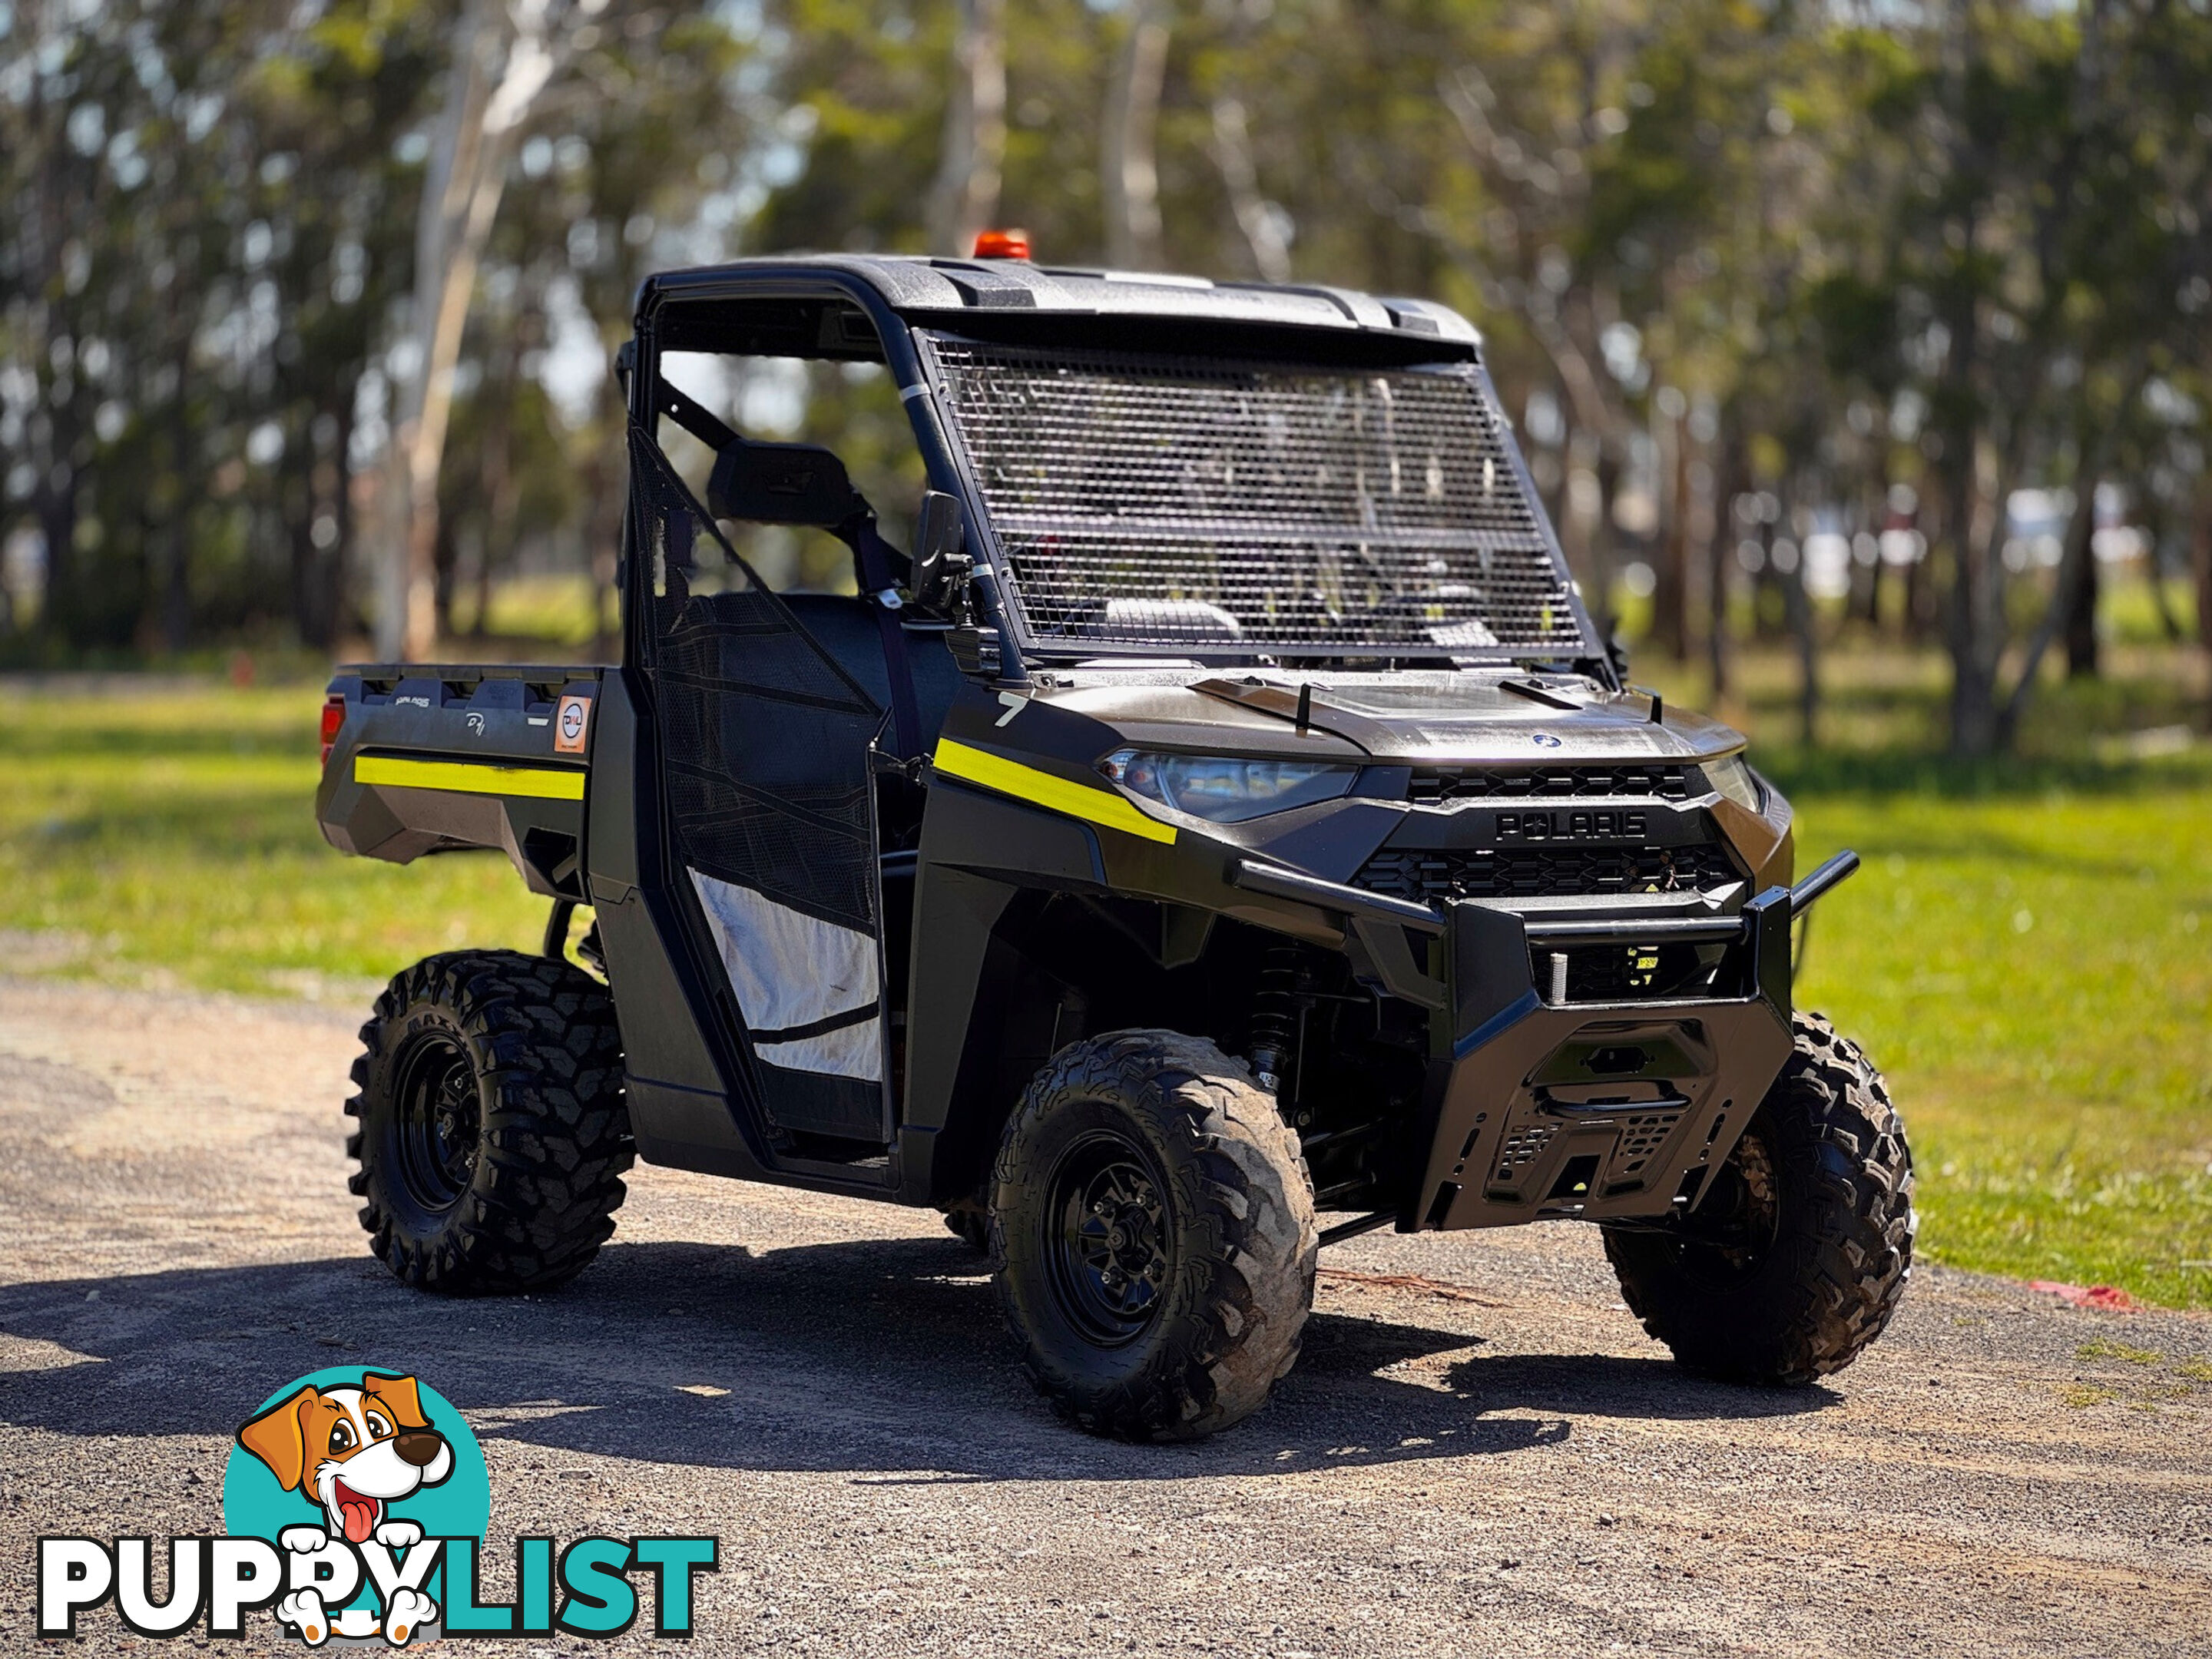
pixel 400 1393
pixel 279 1438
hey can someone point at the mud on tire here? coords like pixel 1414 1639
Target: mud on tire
pixel 1801 1250
pixel 493 1132
pixel 1153 1236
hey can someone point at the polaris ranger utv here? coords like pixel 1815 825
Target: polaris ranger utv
pixel 1219 831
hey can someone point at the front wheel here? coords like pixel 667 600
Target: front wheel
pixel 1152 1233
pixel 494 1133
pixel 1799 1253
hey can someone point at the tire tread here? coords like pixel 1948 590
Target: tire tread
pixel 1255 1217
pixel 556 1132
pixel 1840 1138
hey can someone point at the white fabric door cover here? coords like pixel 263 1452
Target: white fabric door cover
pixel 809 990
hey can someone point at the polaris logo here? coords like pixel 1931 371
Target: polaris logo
pixel 1570 826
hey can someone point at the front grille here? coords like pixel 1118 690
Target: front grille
pixel 1145 500
pixel 1433 786
pixel 1430 876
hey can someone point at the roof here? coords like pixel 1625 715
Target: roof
pixel 919 284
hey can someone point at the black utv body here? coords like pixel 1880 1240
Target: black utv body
pixel 1219 832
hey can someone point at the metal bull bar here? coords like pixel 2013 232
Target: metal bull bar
pixel 1609 1111
pixel 1353 902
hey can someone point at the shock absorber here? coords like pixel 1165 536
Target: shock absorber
pixel 1274 1015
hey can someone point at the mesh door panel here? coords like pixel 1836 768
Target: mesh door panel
pixel 764 741
pixel 1302 509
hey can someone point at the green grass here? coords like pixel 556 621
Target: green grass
pixel 171 838
pixel 2034 974
pixel 2027 954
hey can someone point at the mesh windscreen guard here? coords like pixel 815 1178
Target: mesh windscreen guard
pixel 1157 501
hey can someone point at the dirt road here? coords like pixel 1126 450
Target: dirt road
pixel 1480 1453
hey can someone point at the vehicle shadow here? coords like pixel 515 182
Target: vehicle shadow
pixel 885 1357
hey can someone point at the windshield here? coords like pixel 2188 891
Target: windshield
pixel 1222 506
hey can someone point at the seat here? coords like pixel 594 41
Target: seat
pixel 842 626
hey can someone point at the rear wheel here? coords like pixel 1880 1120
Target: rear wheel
pixel 494 1134
pixel 1152 1232
pixel 1799 1253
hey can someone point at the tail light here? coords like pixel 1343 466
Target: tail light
pixel 333 718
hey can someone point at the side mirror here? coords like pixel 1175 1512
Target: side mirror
pixel 941 562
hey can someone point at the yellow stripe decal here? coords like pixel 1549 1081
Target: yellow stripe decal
pixel 469 777
pixel 957 760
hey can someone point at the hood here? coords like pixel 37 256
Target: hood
pixel 1418 718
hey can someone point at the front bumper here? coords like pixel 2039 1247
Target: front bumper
pixel 1543 1106
pixel 1593 1110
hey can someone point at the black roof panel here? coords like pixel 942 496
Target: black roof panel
pixel 920 286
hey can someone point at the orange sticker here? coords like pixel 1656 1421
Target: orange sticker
pixel 572 725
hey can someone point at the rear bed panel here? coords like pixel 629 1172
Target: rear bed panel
pixel 431 758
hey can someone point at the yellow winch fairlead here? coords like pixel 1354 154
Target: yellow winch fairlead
pixel 469 777
pixel 957 760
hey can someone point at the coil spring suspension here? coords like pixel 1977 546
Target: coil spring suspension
pixel 1274 1015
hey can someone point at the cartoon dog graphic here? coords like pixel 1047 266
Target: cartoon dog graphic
pixel 354 1452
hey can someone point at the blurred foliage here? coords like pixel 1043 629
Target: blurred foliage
pixel 1758 275
pixel 852 407
pixel 206 241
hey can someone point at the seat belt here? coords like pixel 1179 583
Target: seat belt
pixel 881 590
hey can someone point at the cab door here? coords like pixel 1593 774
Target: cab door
pixel 767 784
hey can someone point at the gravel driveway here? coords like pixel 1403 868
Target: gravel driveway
pixel 1478 1454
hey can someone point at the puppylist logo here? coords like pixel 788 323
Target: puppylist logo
pixel 354 1509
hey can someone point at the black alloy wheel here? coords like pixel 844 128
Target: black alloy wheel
pixel 1108 1249
pixel 1153 1236
pixel 439 1123
pixel 494 1128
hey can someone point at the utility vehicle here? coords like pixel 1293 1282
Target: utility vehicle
pixel 1145 786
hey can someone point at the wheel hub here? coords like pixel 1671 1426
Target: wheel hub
pixel 1738 1223
pixel 439 1124
pixel 1108 1245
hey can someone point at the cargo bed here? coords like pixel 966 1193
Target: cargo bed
pixel 439 756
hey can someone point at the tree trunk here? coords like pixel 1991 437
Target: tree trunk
pixel 296 505
pixel 342 614
pixel 501 61
pixel 2200 562
pixel 1797 614
pixel 2078 551
pixel 1670 596
pixel 2082 588
pixel 1975 633
pixel 1733 479
pixel 177 559
pixel 1604 545
pixel 1258 220
pixel 605 526
pixel 58 526
pixel 330 494
pixel 1128 168
pixel 965 198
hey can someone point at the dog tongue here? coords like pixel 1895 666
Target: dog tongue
pixel 360 1518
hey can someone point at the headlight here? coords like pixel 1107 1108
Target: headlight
pixel 1223 791
pixel 1738 782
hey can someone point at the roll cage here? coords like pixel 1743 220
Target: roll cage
pixel 916 316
